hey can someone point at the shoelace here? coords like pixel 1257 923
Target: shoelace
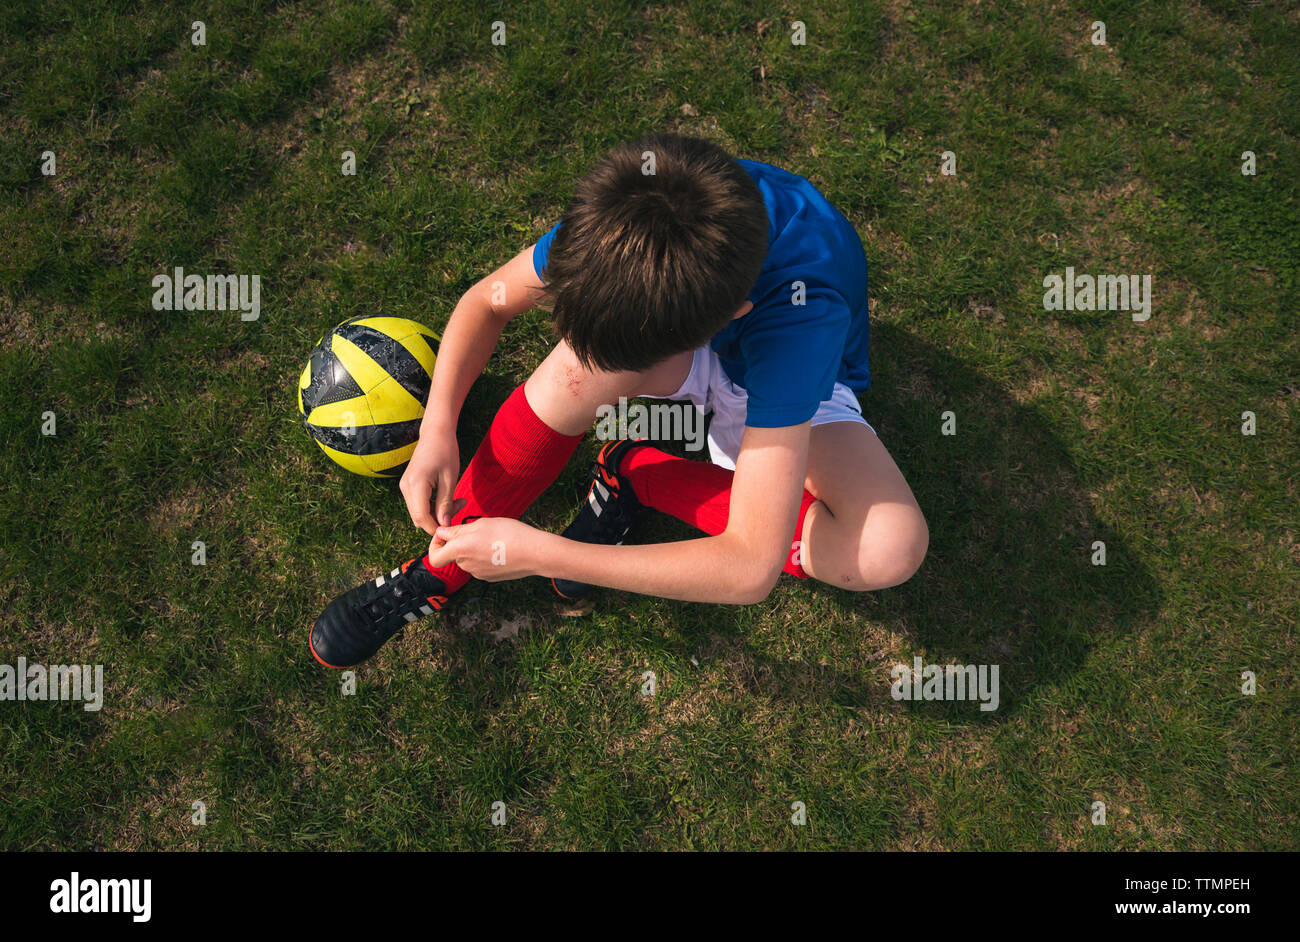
pixel 384 604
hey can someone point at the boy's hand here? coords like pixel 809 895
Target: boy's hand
pixel 433 470
pixel 493 549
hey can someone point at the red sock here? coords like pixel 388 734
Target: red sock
pixel 695 492
pixel 519 458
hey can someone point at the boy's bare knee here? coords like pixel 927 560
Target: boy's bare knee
pixel 890 555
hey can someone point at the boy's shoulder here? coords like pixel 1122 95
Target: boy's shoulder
pixel 809 240
pixel 789 197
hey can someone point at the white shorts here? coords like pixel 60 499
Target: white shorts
pixel 709 389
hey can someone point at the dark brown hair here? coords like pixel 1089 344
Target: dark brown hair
pixel 647 265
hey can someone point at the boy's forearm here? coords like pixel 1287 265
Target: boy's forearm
pixel 714 569
pixel 467 343
pixel 738 566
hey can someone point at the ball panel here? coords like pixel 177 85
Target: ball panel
pixel 366 369
pixel 419 341
pixel 421 350
pixel 395 327
pixel 304 381
pixel 390 463
pixel 391 401
pixel 329 380
pixel 345 413
pixel 390 356
pixel 354 463
pixel 368 439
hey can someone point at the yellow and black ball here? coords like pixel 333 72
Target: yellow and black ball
pixel 363 391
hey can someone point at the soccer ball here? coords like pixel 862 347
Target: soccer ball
pixel 363 390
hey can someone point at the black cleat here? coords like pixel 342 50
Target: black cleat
pixel 357 623
pixel 610 511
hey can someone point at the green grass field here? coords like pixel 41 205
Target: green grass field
pixel 1119 683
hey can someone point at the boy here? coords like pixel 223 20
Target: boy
pixel 677 272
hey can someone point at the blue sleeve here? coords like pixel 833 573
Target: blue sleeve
pixel 793 358
pixel 542 251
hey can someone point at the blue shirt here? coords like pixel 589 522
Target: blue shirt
pixel 790 350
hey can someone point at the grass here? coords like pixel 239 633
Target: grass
pixel 1119 683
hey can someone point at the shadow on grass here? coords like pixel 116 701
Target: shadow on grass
pixel 1009 578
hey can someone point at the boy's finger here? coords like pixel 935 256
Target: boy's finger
pixel 417 505
pixel 446 487
pixel 448 508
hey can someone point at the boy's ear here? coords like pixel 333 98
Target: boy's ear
pixel 744 309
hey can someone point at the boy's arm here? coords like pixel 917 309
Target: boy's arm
pixel 739 566
pixel 467 343
pixel 472 333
